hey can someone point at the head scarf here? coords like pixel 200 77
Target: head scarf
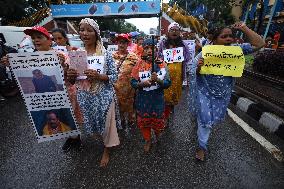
pixel 100 50
pixel 174 24
pixel 149 42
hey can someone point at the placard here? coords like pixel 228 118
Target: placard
pixel 40 78
pixel 223 60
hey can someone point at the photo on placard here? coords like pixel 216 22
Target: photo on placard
pixel 54 121
pixel 40 80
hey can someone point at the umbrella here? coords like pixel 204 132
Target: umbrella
pixel 134 34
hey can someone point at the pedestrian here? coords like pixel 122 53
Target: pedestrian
pixel 149 101
pixel 209 95
pixel 96 95
pixel 177 70
pixel 125 61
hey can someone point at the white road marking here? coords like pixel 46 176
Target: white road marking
pixel 260 139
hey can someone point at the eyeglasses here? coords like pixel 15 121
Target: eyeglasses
pixel 226 36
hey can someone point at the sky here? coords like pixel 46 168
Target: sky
pixel 144 24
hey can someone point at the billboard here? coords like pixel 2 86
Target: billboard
pixel 151 7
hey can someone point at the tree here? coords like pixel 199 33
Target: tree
pixel 218 11
pixel 11 11
pixel 116 25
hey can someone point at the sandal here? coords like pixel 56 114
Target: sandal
pixel 200 155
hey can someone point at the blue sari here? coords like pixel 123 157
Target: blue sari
pixel 209 95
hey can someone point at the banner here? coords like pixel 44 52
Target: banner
pixel 191 46
pixel 40 78
pixel 106 9
pixel 223 60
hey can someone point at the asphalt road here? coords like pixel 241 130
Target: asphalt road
pixel 235 160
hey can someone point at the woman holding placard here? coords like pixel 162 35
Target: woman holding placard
pixel 209 94
pixel 150 85
pixel 95 92
pixel 177 55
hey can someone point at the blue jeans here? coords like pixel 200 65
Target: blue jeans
pixel 203 136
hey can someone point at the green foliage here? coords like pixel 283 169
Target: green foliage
pixel 15 10
pixel 249 60
pixel 116 25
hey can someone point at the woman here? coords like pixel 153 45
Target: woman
pixel 96 95
pixel 209 95
pixel 125 61
pixel 150 103
pixel 61 39
pixel 177 70
pixel 42 41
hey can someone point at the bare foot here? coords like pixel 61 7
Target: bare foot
pixel 147 146
pixel 200 155
pixel 105 158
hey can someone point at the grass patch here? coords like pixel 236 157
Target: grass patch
pixel 249 60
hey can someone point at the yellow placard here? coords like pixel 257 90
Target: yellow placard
pixel 223 60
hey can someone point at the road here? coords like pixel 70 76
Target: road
pixel 235 160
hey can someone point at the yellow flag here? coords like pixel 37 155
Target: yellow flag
pixel 223 60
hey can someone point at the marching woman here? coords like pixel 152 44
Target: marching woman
pixel 150 85
pixel 125 61
pixel 60 37
pixel 96 95
pixel 177 70
pixel 209 95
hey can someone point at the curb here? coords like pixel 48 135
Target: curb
pixel 271 122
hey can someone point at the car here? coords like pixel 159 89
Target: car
pixel 75 41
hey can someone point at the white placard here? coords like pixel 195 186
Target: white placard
pixel 60 48
pixel 96 63
pixel 146 75
pixel 178 54
pixel 173 55
pixel 40 78
pixel 112 48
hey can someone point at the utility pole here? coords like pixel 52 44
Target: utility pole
pixel 270 19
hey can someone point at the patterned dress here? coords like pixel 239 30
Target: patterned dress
pixel 150 105
pixel 72 92
pixel 124 92
pixel 95 99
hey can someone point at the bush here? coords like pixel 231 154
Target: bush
pixel 270 62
